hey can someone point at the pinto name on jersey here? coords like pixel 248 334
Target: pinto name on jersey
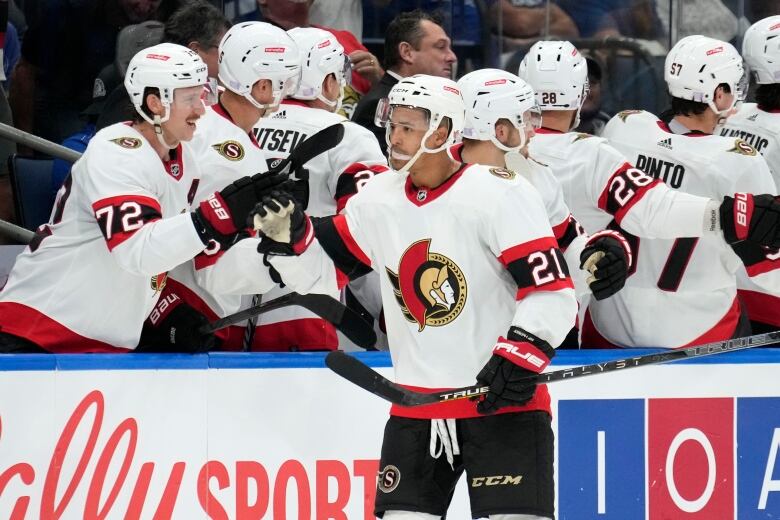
pixel 667 171
pixel 756 141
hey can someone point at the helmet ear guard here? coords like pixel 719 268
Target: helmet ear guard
pixel 491 95
pixel 254 51
pixel 165 67
pixel 761 50
pixel 697 65
pixel 438 97
pixel 321 55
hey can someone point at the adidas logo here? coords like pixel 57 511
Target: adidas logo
pixel 753 117
pixel 666 143
pixel 280 115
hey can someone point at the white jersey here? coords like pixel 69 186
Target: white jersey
pixel 761 130
pixel 455 273
pixel 214 281
pixel 568 232
pixel 94 272
pixel 333 177
pixel 680 292
pixel 600 185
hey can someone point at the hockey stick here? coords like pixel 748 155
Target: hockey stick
pixel 366 378
pixel 346 321
pixel 322 141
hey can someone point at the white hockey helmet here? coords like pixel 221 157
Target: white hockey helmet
pixel 254 51
pixel 321 54
pixel 166 67
pixel 761 50
pixel 438 97
pixel 493 94
pixel 558 73
pixel 697 64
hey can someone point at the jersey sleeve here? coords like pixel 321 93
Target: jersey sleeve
pixel 354 162
pixel 546 305
pixel 642 205
pixel 340 253
pixel 123 194
pixel 239 270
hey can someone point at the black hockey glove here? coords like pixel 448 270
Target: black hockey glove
pixel 286 228
pixel 509 371
pixel 227 212
pixel 173 326
pixel 607 257
pixel 755 218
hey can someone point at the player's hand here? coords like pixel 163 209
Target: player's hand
pixel 227 211
pixel 755 218
pixel 286 229
pixel 174 327
pixel 607 257
pixel 511 369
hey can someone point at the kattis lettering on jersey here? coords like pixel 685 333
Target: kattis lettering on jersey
pixel 741 147
pixel 756 141
pixel 127 142
pixel 503 173
pixel 625 113
pixel 429 287
pixel 230 150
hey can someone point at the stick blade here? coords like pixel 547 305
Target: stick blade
pixel 327 138
pixel 347 321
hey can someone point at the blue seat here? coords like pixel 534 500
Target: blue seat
pixel 31 188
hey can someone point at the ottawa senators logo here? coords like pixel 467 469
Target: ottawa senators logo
pixel 503 173
pixel 158 282
pixel 429 287
pixel 230 150
pixel 389 478
pixel 741 147
pixel 127 142
pixel 625 113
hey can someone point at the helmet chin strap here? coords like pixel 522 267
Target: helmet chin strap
pixel 505 148
pixel 158 131
pixel 268 108
pixel 335 104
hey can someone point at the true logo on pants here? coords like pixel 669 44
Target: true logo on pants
pixel 389 478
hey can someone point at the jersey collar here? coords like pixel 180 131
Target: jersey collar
pixel 422 196
pixel 545 130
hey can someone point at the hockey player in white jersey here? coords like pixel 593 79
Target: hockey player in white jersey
pixel 602 187
pixel 122 220
pixel 502 116
pixel 694 277
pixel 759 125
pixel 328 181
pixel 464 253
pixel 259 65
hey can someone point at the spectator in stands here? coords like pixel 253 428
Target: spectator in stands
pixel 197 25
pixel 603 18
pixel 415 43
pixel 461 19
pixel 528 19
pixel 366 69
pixel 708 17
pixel 344 15
pixel 63 51
pixel 6 147
pixel 109 97
pixel 592 118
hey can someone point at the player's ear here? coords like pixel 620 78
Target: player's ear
pixel 154 104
